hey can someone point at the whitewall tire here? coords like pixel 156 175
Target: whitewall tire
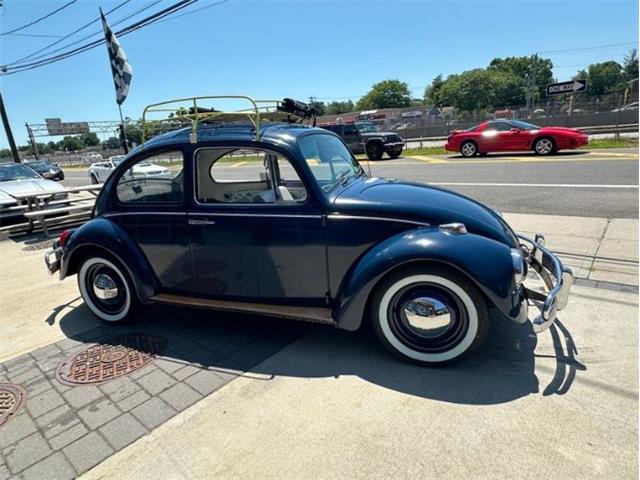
pixel 106 289
pixel 430 316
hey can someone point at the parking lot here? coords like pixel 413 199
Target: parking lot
pixel 246 396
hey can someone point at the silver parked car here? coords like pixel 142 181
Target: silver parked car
pixel 18 179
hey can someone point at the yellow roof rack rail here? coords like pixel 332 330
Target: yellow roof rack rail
pixel 190 110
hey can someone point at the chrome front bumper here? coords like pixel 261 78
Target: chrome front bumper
pixel 556 277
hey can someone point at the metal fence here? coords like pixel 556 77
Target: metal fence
pixel 567 111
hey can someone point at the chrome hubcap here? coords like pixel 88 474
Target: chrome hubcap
pixel 544 146
pixel 468 149
pixel 427 317
pixel 104 287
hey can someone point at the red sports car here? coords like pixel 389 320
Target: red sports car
pixel 511 136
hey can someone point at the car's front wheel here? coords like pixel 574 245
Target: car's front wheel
pixel 544 146
pixel 430 316
pixel 394 154
pixel 468 149
pixel 374 151
pixel 106 289
pixel 94 179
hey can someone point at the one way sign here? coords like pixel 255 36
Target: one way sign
pixel 573 86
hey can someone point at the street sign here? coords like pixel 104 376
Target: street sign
pixel 573 86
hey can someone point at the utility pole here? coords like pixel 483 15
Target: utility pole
pixel 7 130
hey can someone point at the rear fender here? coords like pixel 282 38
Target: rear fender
pixel 486 262
pixel 102 234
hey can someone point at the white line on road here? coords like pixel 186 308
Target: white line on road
pixel 545 185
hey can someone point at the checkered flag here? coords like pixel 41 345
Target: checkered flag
pixel 119 66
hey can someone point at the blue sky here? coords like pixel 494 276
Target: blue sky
pixel 273 49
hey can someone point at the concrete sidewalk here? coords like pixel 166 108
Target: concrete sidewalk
pixel 333 405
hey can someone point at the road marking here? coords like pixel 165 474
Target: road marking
pixel 239 164
pixel 613 154
pixel 526 160
pixel 426 159
pixel 543 185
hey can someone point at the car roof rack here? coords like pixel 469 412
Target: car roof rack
pixel 183 112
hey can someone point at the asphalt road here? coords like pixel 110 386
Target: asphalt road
pixel 579 183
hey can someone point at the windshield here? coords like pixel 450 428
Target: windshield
pixel 523 125
pixel 39 165
pixel 366 127
pixel 16 172
pixel 331 163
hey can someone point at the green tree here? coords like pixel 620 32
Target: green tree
pixel 481 89
pixel 90 139
pixel 52 145
pixel 540 69
pixel 134 133
pixel 71 144
pixel 604 78
pixel 111 142
pixel 5 153
pixel 432 92
pixel 386 94
pixel 630 65
pixel 319 106
pixel 336 108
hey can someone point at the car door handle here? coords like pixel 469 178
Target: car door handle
pixel 197 221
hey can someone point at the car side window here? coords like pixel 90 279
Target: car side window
pixel 252 176
pixel 350 130
pixel 154 179
pixel 499 126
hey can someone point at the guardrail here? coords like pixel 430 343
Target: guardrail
pixel 44 211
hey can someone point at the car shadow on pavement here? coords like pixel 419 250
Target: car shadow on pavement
pixel 503 370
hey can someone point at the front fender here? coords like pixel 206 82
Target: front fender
pixel 101 233
pixel 485 261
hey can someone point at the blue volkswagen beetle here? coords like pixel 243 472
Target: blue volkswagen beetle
pixel 278 218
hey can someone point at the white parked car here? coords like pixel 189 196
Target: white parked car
pixel 99 172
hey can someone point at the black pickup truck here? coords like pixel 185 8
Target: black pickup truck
pixel 363 137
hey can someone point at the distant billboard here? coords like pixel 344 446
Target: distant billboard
pixel 411 114
pixel 55 126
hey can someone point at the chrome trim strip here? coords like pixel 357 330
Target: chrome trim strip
pixel 118 214
pixel 214 214
pixel 337 216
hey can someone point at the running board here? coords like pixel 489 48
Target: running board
pixel 306 314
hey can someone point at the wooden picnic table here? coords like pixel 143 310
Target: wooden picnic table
pixel 37 201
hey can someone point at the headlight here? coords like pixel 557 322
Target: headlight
pixel 519 267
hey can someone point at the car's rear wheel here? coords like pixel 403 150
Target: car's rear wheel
pixel 468 149
pixel 374 151
pixel 94 179
pixel 430 316
pixel 544 146
pixel 106 289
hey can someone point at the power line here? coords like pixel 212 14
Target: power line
pixel 125 31
pixel 86 25
pixel 86 37
pixel 596 47
pixel 194 11
pixel 44 17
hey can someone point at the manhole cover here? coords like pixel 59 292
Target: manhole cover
pixel 111 359
pixel 39 245
pixel 12 397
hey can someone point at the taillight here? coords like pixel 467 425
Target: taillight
pixel 64 236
